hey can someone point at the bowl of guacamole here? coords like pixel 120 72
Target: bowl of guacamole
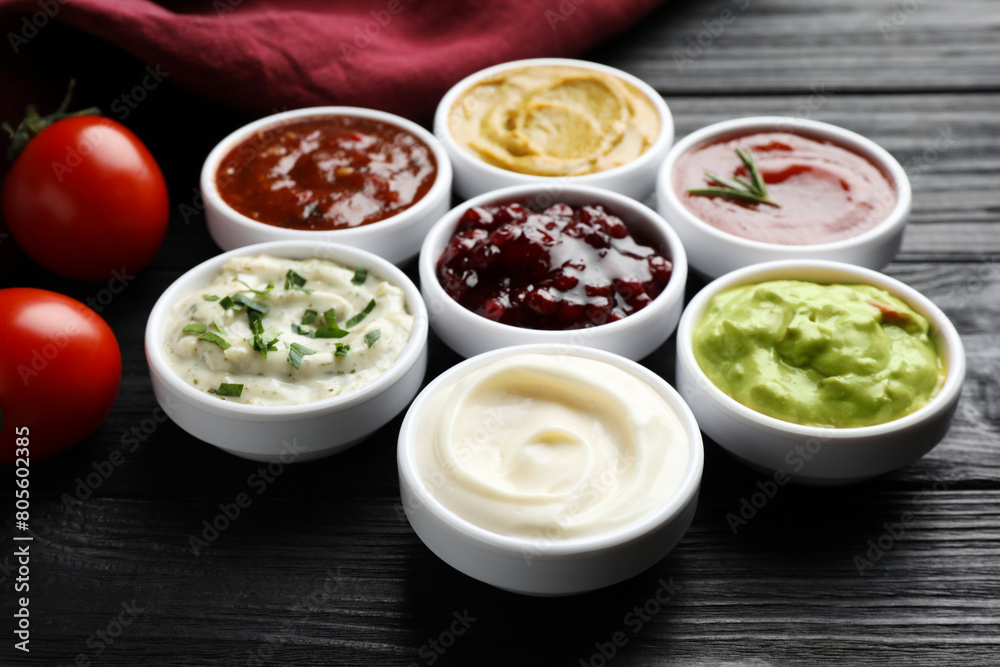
pixel 825 372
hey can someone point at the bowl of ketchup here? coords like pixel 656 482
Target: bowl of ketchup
pixel 766 188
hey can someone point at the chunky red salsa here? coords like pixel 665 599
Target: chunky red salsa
pixel 824 191
pixel 562 268
pixel 329 172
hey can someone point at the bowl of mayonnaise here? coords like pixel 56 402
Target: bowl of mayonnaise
pixel 549 470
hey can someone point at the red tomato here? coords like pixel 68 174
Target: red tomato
pixel 85 198
pixel 59 371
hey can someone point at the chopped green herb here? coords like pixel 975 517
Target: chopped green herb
pixel 303 331
pixel 211 337
pixel 250 303
pixel 218 326
pixel 265 341
pixel 296 352
pixel 196 327
pixel 255 321
pixel 360 276
pixel 212 297
pixel 329 332
pixel 227 303
pixel 372 336
pixel 354 321
pixel 309 316
pixel 269 337
pixel 227 389
pixel 295 281
pixel 263 349
pixel 342 350
pixel 262 341
pixel 270 286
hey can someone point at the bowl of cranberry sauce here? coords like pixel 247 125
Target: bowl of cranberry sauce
pixel 355 176
pixel 760 189
pixel 573 265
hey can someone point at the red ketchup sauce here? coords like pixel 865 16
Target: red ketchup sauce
pixel 562 268
pixel 826 192
pixel 330 172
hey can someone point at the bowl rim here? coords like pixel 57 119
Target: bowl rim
pixel 437 239
pixel 439 190
pixel 686 491
pixel 949 343
pixel 891 224
pixel 199 275
pixel 653 154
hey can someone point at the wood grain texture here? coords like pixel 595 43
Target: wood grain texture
pixel 322 568
pixel 764 47
pixel 347 575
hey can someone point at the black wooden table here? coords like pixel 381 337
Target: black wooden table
pixel 322 567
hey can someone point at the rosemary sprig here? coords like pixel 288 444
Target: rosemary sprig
pixel 738 188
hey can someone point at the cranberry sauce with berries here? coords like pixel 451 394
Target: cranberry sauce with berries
pixel 563 268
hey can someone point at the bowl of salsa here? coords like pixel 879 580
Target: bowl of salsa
pixel 770 188
pixel 348 175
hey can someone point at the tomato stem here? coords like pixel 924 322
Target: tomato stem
pixel 34 123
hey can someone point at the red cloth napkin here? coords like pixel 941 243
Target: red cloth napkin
pixel 267 55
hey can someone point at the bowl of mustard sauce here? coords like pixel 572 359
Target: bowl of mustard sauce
pixel 556 121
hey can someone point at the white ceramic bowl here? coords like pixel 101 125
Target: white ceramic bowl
pixel 547 566
pixel 473 176
pixel 713 252
pixel 302 432
pixel 813 455
pixel 633 337
pixel 395 238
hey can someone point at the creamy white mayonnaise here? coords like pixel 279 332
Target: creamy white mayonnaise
pixel 554 445
pixel 275 380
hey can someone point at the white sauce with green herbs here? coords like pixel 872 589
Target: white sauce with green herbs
pixel 200 360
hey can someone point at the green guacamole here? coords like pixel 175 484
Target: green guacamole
pixel 819 355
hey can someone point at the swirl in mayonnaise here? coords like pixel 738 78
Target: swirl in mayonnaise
pixel 556 445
